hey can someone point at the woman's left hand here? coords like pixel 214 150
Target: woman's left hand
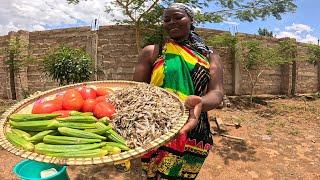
pixel 194 104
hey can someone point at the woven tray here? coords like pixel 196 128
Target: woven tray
pixel 25 106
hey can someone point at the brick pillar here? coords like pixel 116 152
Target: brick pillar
pixel 236 76
pixel 285 85
pixel 11 93
pixel 92 49
pixel 20 74
pixel 236 68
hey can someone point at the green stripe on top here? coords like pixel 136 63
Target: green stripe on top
pixel 177 74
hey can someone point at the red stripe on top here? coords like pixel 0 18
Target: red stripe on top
pixel 158 64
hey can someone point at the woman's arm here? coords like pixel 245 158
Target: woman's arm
pixel 143 69
pixel 214 95
pixel 211 100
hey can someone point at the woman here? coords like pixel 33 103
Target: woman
pixel 185 66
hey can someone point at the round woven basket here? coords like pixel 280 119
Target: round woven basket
pixel 25 106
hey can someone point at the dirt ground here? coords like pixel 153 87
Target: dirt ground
pixel 282 141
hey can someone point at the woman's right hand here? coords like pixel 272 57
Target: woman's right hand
pixel 194 104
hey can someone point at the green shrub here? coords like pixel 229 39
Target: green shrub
pixel 68 65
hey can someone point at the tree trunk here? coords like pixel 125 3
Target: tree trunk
pixel 251 92
pixel 294 78
pixel 12 80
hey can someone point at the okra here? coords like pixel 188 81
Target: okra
pixel 21 133
pixel 79 133
pixel 34 125
pixel 100 125
pixel 100 129
pixel 112 149
pixel 50 148
pixel 96 131
pixel 79 119
pixel 119 145
pixel 105 120
pixel 49 139
pixel 39 136
pixel 81 154
pixel 77 113
pixel 75 125
pixel 115 137
pixel 32 117
pixel 19 141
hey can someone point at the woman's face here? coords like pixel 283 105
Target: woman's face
pixel 176 23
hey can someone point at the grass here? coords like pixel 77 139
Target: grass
pixel 294 132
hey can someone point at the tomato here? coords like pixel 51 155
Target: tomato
pixel 88 93
pixel 103 91
pixel 63 113
pixel 80 88
pixel 47 107
pixel 103 109
pixel 88 105
pixel 72 100
pixel 101 99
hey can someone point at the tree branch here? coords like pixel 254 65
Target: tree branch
pixel 148 10
pixel 126 7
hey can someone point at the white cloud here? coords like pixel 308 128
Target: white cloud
pixel 276 29
pixel 231 22
pixel 283 34
pixel 301 32
pixel 44 14
pixel 298 28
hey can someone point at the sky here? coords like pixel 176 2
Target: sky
pixel 38 15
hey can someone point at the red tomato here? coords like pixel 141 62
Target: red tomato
pixel 63 113
pixel 101 99
pixel 103 91
pixel 80 88
pixel 47 107
pixel 72 100
pixel 88 105
pixel 103 109
pixel 59 98
pixel 88 93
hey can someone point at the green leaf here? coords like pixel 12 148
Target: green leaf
pixel 68 65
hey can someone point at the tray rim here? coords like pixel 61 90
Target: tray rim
pixel 110 159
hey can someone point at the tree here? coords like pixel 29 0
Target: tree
pixel 314 58
pixel 147 13
pixel 265 32
pixel 255 58
pixel 314 54
pixel 68 65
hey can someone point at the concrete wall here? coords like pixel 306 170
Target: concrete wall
pixel 114 53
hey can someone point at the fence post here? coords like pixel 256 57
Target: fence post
pixel 17 74
pixel 92 49
pixel 285 79
pixel 236 76
pixel 22 72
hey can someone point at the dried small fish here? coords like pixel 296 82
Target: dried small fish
pixel 144 113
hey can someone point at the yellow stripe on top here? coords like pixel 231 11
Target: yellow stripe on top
pixel 157 73
pixel 173 48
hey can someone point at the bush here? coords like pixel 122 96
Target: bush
pixel 68 65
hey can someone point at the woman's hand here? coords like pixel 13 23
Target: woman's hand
pixel 194 104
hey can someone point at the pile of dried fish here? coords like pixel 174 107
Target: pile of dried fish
pixel 144 113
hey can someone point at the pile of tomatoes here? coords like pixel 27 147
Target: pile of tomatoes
pixel 84 99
